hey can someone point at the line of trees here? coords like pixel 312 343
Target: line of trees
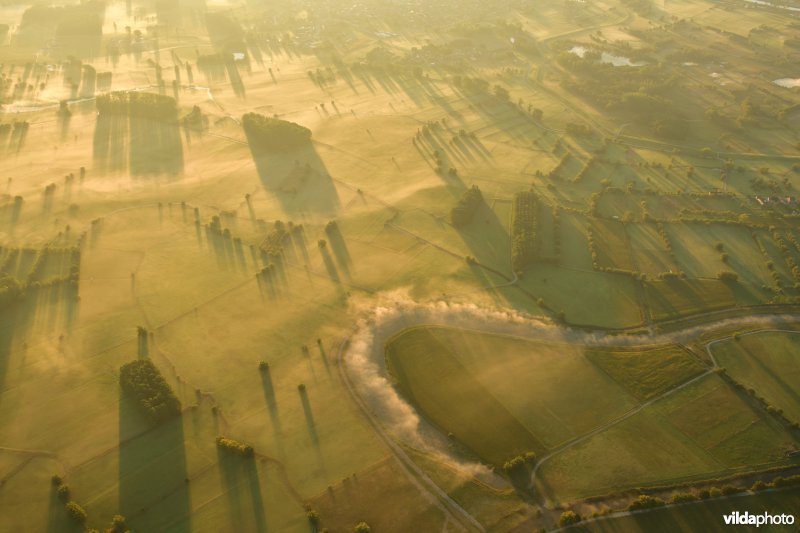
pixel 523 230
pixel 234 446
pixel 268 134
pixel 272 245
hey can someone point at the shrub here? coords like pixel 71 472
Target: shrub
pixel 569 518
pixel 118 525
pixel 76 513
pixel 645 501
pixel 683 497
pixel 362 527
pixel 727 490
pixel 63 492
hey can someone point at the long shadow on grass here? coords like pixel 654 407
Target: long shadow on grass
pixel 269 398
pixel 488 239
pixel 311 425
pixel 329 266
pixel 153 476
pixel 339 247
pixel 58 521
pixel 239 476
pixel 785 387
pixel 16 320
pixel 298 178
pixel 144 145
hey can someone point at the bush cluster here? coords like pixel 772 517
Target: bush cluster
pixel 234 446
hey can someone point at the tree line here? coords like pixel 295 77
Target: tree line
pixel 523 230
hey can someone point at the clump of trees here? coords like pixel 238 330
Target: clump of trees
pixel 267 134
pixel 142 381
pixel 523 230
pixel 76 513
pixel 645 501
pixel 272 245
pixel 518 468
pixel 234 446
pixel 467 205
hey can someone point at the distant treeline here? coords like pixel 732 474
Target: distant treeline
pixel 267 134
pixel 136 104
pixel 142 380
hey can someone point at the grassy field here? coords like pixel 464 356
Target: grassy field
pixel 672 298
pixel 704 430
pixel 647 373
pixel 400 130
pixel 497 395
pixel 707 516
pixel 766 362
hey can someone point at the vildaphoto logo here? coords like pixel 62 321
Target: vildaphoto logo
pixel 764 519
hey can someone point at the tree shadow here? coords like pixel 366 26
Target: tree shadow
pixel 310 423
pixel 324 357
pixel 240 474
pixel 272 404
pixel 58 521
pixel 339 247
pixel 143 145
pixel 152 472
pixel 299 179
pixel 329 266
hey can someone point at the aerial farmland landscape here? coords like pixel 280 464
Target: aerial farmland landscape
pixel 399 266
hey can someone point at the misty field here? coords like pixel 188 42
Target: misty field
pixel 226 190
